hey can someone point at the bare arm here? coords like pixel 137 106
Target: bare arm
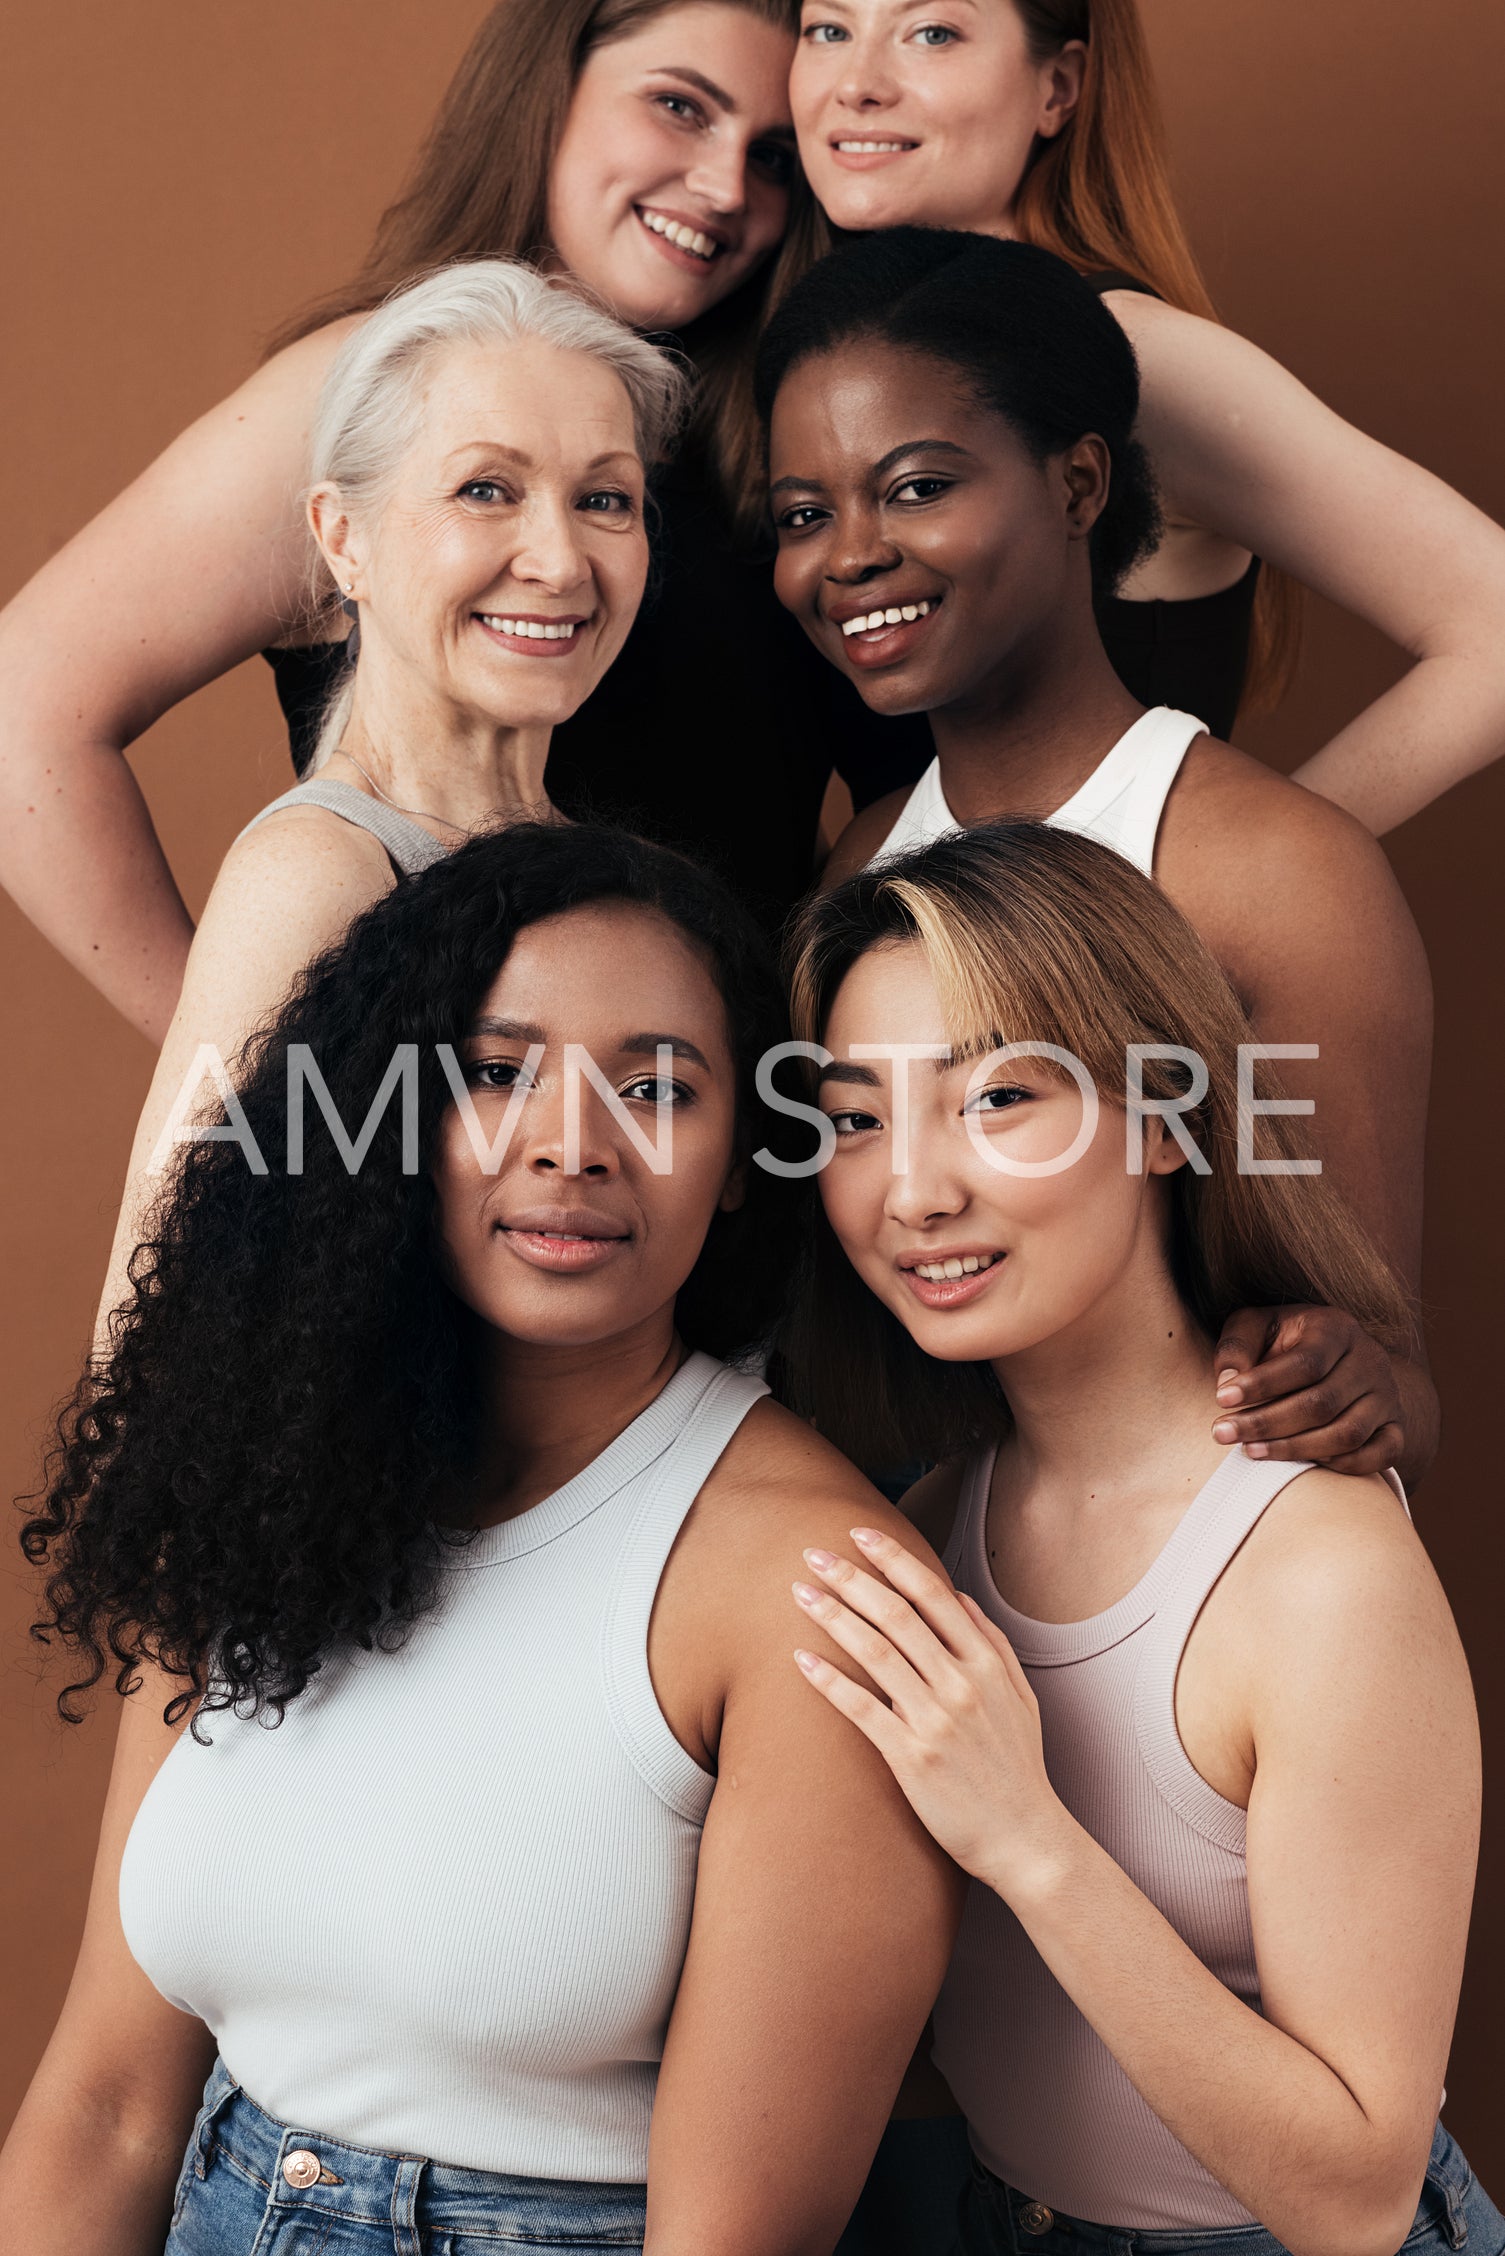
pixel 1338 1672
pixel 93 2156
pixel 824 1915
pixel 1244 450
pixel 286 891
pixel 199 564
pixel 1303 911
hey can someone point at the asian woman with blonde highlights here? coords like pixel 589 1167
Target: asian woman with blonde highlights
pixel 1178 1704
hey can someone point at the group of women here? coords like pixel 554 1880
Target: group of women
pixel 559 1801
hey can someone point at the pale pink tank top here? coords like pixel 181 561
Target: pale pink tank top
pixel 1048 2107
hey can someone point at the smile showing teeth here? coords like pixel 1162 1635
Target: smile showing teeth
pixel 939 1272
pixel 895 616
pixel 531 630
pixel 874 148
pixel 687 238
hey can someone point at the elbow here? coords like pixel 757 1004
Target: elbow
pixel 1369 2218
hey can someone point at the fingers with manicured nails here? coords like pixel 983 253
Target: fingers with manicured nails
pixel 885 1608
pixel 875 1654
pixel 1356 1435
pixel 930 1593
pixel 872 1718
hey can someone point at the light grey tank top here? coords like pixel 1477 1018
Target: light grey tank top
pixel 1048 2107
pixel 410 847
pixel 1120 804
pixel 442 1908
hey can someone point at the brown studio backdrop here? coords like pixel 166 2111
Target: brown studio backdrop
pixel 175 181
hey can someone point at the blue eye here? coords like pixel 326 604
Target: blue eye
pixel 680 106
pixel 607 502
pixel 824 34
pixel 480 489
pixel 935 35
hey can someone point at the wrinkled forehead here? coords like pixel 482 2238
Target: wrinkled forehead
pixel 556 407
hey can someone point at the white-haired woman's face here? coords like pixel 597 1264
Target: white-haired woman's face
pixel 505 564
pixel 671 181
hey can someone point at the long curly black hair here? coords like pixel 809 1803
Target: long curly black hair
pixel 246 1482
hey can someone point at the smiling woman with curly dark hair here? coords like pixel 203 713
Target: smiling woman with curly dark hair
pixel 416 1479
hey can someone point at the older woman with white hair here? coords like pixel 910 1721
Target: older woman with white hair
pixel 477 467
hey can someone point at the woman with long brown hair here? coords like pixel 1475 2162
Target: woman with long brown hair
pixel 1038 119
pixel 1199 1726
pixel 645 146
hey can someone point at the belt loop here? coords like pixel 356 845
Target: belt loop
pixel 208 2117
pixel 1457 2224
pixel 405 2240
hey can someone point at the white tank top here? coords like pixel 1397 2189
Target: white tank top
pixel 442 1908
pixel 1120 804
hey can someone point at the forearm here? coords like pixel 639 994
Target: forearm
pixel 1268 2118
pixel 77 2179
pixel 1444 720
pixel 80 858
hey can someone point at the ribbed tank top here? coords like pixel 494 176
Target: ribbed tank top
pixel 410 848
pixel 1120 804
pixel 1048 2108
pixel 442 1908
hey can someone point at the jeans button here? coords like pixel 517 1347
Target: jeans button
pixel 1036 2218
pixel 301 2168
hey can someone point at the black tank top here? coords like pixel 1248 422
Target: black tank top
pixel 719 725
pixel 1193 654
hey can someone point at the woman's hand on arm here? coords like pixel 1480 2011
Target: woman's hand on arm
pixel 824 1918
pixel 201 562
pixel 1242 448
pixel 92 2159
pixel 1362 1826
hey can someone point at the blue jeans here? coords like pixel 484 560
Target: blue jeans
pixel 1455 2212
pixel 250 2186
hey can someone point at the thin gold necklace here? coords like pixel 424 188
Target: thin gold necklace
pixel 420 813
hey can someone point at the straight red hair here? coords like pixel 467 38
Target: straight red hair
pixel 1100 196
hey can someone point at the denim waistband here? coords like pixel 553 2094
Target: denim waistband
pixel 302 2170
pixel 1033 2226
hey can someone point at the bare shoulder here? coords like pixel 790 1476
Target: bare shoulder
pixel 286 890
pixel 861 839
pixel 781 1488
pixel 1240 843
pixel 301 847
pixel 1335 1574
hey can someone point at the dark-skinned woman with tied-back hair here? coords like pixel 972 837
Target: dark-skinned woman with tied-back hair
pixel 644 147
pixel 1037 120
pixel 438 1464
pixel 954 480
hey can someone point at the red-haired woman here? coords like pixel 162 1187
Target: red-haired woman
pixel 1038 119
